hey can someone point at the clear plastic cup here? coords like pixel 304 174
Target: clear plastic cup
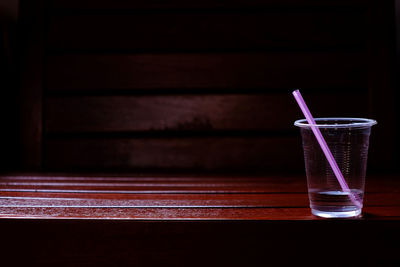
pixel 348 140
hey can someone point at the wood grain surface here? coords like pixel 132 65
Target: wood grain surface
pixel 30 81
pixel 188 70
pixel 256 153
pixel 202 51
pixel 147 220
pixel 195 112
pixel 174 198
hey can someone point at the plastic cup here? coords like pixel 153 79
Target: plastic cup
pixel 348 140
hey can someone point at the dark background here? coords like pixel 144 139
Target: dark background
pixel 198 86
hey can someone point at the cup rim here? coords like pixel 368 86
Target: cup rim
pixel 349 122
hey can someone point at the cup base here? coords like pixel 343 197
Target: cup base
pixel 336 214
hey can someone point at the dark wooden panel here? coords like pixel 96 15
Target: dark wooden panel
pixel 123 4
pixel 31 66
pixel 279 70
pixel 207 31
pixel 193 112
pixel 203 153
pixel 383 93
pixel 9 102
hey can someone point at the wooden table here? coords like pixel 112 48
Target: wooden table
pixel 110 220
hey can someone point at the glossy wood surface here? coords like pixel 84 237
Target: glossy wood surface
pixel 187 220
pixel 177 197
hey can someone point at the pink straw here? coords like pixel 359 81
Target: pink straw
pixel 335 168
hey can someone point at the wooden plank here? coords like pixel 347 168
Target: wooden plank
pixel 169 206
pixel 145 184
pixel 159 184
pixel 216 183
pixel 281 30
pixel 122 4
pixel 136 234
pixel 153 188
pixel 382 199
pixel 191 153
pixel 146 178
pixel 9 103
pixel 226 71
pixel 182 213
pixel 377 183
pixel 159 213
pixel 41 199
pixel 192 112
pixel 153 200
pixel 31 83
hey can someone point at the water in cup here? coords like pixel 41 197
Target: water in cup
pixel 333 204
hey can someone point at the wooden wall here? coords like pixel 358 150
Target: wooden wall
pixel 8 87
pixel 198 85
